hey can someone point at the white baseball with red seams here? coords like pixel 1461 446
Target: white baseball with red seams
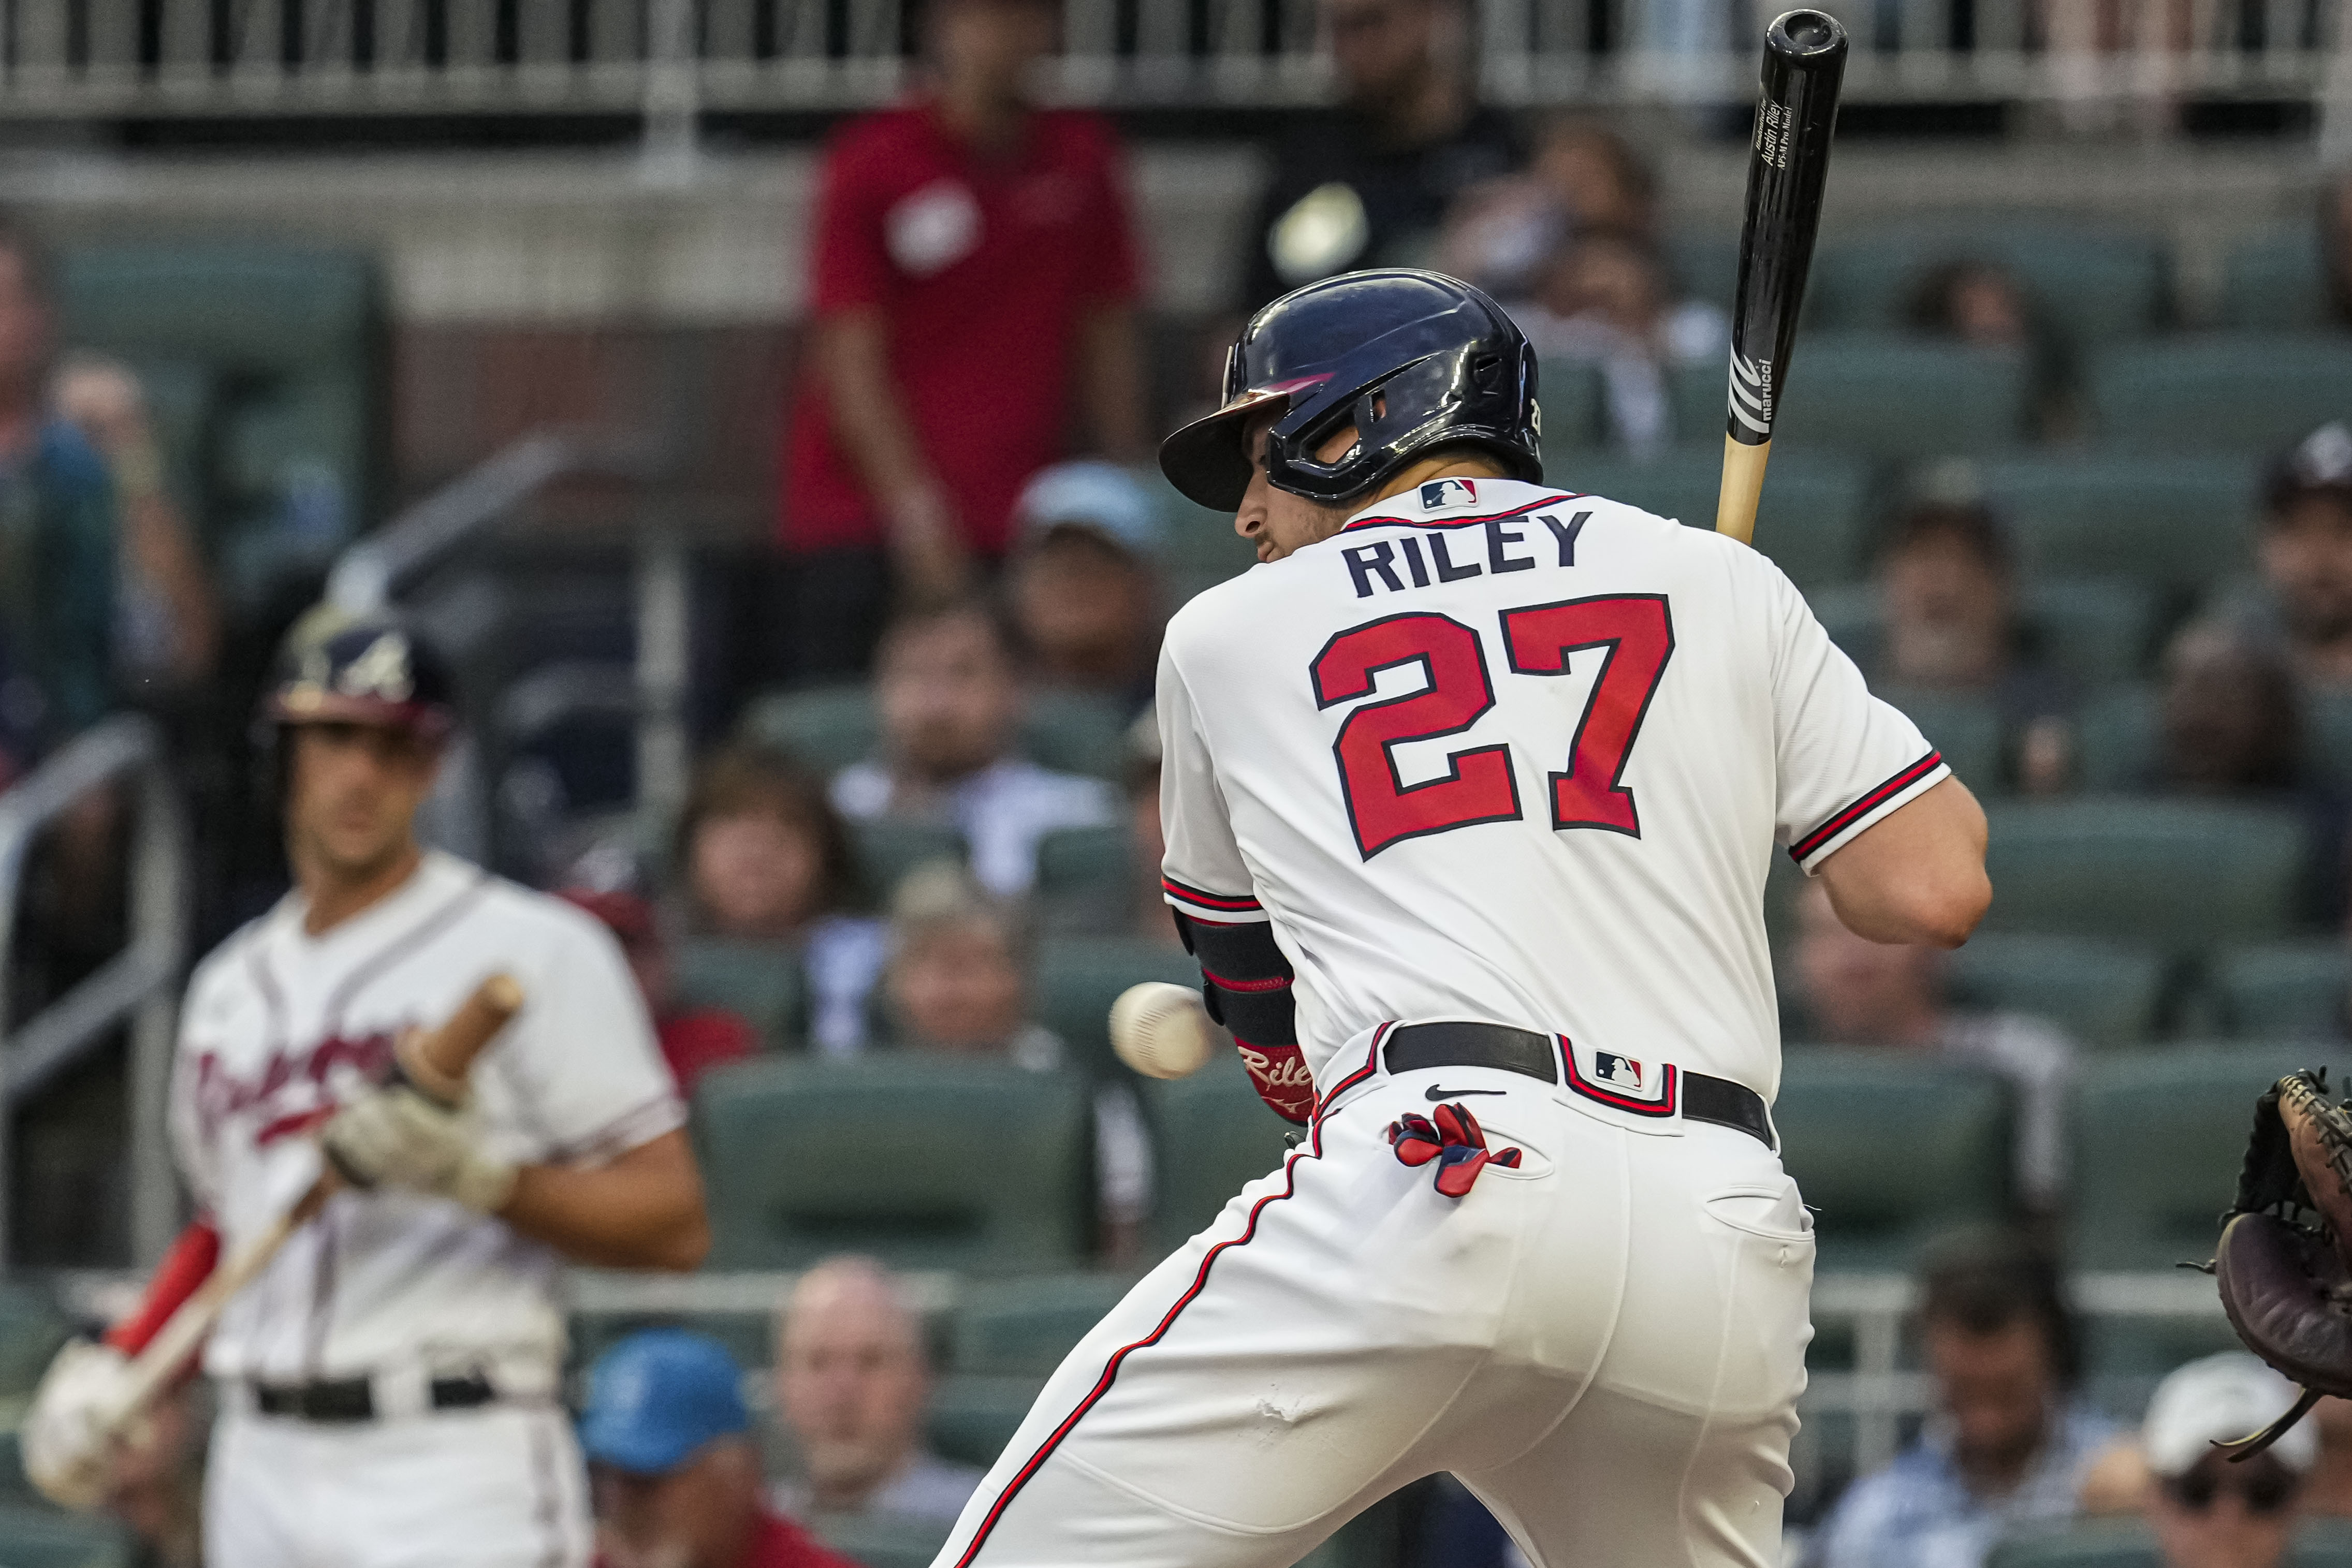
pixel 281 1027
pixel 1501 754
pixel 1161 1030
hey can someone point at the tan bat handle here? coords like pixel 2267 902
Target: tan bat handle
pixel 1743 489
pixel 447 1053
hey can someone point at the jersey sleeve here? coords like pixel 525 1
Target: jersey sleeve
pixel 1203 873
pixel 591 1072
pixel 192 1150
pixel 1844 760
pixel 850 266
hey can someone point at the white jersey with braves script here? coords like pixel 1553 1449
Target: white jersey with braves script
pixel 1501 752
pixel 280 1028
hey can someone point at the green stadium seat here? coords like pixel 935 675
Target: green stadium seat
pixel 1879 396
pixel 762 981
pixel 2091 283
pixel 1890 1150
pixel 1077 978
pixel 882 1540
pixel 1024 1327
pixel 973 1416
pixel 2174 874
pixel 826 728
pixel 2090 1543
pixel 2104 994
pixel 1811 520
pixel 2158 1136
pixel 2281 990
pixel 2179 521
pixel 1214 1136
pixel 1965 727
pixel 2116 737
pixel 1705 264
pixel 1075 732
pixel 2328 732
pixel 46 1538
pixel 2097 629
pixel 926 1162
pixel 888 850
pixel 1574 401
pixel 2250 393
pixel 2276 283
pixel 1077 862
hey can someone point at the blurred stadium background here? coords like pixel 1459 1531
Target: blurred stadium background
pixel 489 310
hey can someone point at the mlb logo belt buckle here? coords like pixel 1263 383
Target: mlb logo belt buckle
pixel 1640 1086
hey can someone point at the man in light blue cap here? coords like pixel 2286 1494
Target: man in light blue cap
pixel 1083 585
pixel 671 1461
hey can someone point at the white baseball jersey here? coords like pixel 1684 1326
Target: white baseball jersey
pixel 1501 752
pixel 280 1028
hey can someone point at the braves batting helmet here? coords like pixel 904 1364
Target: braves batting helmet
pixel 371 670
pixel 1413 359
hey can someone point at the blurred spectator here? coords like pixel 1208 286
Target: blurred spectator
pixel 1583 175
pixel 2328 1491
pixel 951 702
pixel 2230 723
pixel 2307 560
pixel 1366 184
pixel 2008 1442
pixel 959 981
pixel 764 857
pixel 2336 245
pixel 1972 301
pixel 693 1040
pixel 1084 584
pixel 2207 1511
pixel 853 1386
pixel 169 633
pixel 1948 621
pixel 1606 298
pixel 973 283
pixel 1855 992
pixel 672 1465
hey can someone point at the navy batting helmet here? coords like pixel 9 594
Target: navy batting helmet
pixel 1413 359
pixel 368 670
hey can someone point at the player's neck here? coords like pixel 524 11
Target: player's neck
pixel 332 895
pixel 1439 465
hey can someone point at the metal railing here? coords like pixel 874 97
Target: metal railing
pixel 138 985
pixel 666 60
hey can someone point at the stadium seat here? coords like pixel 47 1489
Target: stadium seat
pixel 2091 283
pixel 2103 994
pixel 1574 401
pixel 2276 283
pixel 2095 628
pixel 2091 1543
pixel 1075 732
pixel 1811 522
pixel 2281 990
pixel 1213 1135
pixel 2116 736
pixel 2174 874
pixel 1879 396
pixel 2327 732
pixel 972 1417
pixel 826 728
pixel 1024 1327
pixel 1704 264
pixel 2158 1136
pixel 1081 861
pixel 2250 393
pixel 926 1162
pixel 1965 727
pixel 1077 978
pixel 2181 522
pixel 888 851
pixel 761 980
pixel 48 1538
pixel 882 1540
pixel 1890 1150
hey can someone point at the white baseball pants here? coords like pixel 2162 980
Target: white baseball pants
pixel 1605 1344
pixel 500 1486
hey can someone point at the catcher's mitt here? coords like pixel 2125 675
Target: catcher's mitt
pixel 2286 1259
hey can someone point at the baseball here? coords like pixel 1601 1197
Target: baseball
pixel 1161 1030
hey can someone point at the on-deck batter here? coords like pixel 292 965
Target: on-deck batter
pixel 1470 791
pixel 389 1385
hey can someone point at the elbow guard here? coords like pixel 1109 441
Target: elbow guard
pixel 1246 983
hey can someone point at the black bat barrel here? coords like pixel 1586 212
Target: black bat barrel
pixel 1804 64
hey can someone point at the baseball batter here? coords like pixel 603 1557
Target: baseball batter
pixel 388 1387
pixel 1470 791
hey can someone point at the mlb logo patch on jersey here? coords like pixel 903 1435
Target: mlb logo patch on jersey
pixel 1440 493
pixel 1640 1084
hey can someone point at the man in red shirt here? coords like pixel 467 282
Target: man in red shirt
pixel 973 284
pixel 670 1456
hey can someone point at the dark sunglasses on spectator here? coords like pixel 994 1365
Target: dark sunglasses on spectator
pixel 2265 1491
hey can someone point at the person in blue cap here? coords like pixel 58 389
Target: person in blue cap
pixel 675 1475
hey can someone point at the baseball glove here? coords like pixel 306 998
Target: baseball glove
pixel 2285 1264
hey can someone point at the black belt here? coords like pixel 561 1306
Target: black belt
pixel 1421 1045
pixel 350 1399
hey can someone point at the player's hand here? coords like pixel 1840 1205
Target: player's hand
pixel 394 1136
pixel 68 1437
pixel 925 544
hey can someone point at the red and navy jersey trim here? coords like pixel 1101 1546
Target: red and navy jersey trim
pixel 1464 522
pixel 1806 846
pixel 1232 902
pixel 1371 1065
pixel 1223 983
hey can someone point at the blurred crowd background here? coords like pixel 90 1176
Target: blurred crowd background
pixel 755 399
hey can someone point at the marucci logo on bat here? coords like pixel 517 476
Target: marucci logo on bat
pixel 1752 393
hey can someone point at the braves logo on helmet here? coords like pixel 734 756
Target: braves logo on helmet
pixel 373 671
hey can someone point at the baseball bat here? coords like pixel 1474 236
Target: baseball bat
pixel 437 1062
pixel 1787 164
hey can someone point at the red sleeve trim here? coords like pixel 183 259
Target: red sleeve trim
pixel 186 1264
pixel 1237 904
pixel 1804 848
pixel 1277 983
